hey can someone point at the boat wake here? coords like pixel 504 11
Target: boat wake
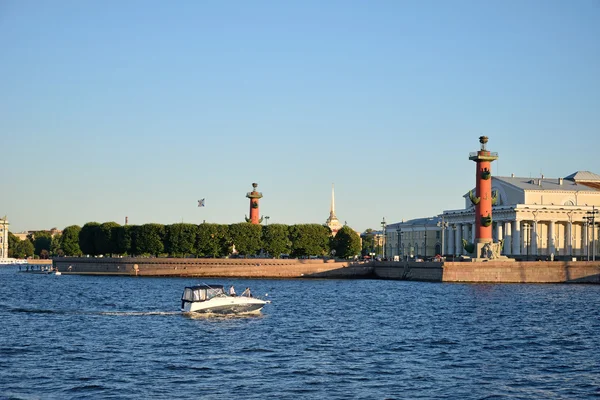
pixel 108 313
pixel 195 315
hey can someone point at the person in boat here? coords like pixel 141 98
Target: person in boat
pixel 232 291
pixel 247 292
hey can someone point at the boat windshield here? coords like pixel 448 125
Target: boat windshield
pixel 201 294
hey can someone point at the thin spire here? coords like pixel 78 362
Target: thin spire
pixel 332 211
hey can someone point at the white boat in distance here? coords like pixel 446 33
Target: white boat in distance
pixel 212 299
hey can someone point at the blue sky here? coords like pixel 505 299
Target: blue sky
pixel 140 108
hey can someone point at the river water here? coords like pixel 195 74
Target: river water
pixel 94 337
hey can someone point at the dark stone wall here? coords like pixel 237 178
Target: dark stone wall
pixel 213 267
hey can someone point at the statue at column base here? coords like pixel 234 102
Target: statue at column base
pixel 484 251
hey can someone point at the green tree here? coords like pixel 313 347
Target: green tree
pixel 368 242
pixel 69 240
pixel 104 243
pixel 212 240
pixel 41 241
pixel 149 239
pixel 276 239
pixel 123 236
pixel 246 237
pixel 346 243
pixel 18 248
pixel 180 239
pixel 87 238
pixel 55 246
pixel 13 243
pixel 309 240
pixel 25 249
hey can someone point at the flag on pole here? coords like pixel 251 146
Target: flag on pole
pixel 201 203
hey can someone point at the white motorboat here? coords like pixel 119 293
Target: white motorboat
pixel 212 299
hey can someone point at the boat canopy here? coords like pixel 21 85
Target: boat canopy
pixel 202 292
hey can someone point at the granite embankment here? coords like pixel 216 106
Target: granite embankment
pixel 495 272
pixel 214 267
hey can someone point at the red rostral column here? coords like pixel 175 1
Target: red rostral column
pixel 254 197
pixel 483 193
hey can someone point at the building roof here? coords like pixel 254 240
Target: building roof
pixel 570 183
pixel 583 176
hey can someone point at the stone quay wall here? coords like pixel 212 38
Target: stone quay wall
pixel 492 271
pixel 213 267
pixel 523 272
pixel 476 272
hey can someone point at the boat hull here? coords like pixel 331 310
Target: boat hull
pixel 225 305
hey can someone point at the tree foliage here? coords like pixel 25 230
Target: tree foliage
pixel 346 243
pixel 276 239
pixel 104 242
pixel 13 243
pixel 149 239
pixel 309 240
pixel 180 239
pixel 87 238
pixel 18 248
pixel 69 240
pixel 122 237
pixel 41 241
pixel 246 237
pixel 368 242
pixel 55 245
pixel 212 240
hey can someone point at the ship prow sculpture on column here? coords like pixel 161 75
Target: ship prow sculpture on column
pixel 484 248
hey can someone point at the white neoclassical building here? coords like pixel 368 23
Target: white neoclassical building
pixel 4 238
pixel 535 217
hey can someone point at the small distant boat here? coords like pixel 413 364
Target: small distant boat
pixel 212 299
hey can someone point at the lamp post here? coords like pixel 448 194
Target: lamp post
pixel 267 220
pixel 383 238
pixel 399 233
pixel 443 225
pixel 591 220
pixel 425 246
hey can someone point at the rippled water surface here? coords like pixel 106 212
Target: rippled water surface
pixel 78 337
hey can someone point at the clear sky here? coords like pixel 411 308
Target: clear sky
pixel 140 108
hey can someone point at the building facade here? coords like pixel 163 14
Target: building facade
pixel 536 218
pixel 4 237
pixel 416 239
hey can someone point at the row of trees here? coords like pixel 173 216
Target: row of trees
pixel 41 244
pixel 204 240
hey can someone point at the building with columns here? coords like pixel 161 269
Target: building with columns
pixel 419 238
pixel 4 237
pixel 536 218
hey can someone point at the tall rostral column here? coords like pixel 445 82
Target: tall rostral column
pixel 254 197
pixel 483 196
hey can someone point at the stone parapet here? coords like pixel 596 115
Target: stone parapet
pixel 213 267
pixel 492 271
pixel 523 272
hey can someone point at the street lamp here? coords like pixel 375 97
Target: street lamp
pixel 443 225
pixel 590 217
pixel 383 238
pixel 425 246
pixel 267 220
pixel 399 233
